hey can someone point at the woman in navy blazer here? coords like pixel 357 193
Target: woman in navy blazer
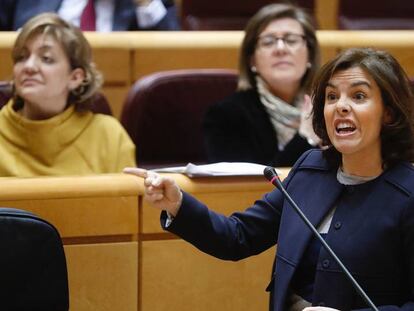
pixel 358 192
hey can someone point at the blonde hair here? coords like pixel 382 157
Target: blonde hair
pixel 76 48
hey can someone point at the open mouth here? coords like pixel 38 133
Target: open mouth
pixel 345 128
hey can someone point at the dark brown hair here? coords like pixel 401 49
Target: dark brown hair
pixel 258 23
pixel 76 48
pixel 397 137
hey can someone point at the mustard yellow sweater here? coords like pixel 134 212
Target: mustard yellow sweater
pixel 71 143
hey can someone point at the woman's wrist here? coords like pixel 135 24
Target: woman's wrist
pixel 173 211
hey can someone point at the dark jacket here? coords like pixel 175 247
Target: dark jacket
pixel 15 13
pixel 238 129
pixel 372 232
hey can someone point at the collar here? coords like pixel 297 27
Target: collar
pixel 400 175
pixel 45 139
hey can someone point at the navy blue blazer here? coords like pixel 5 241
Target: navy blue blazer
pixel 372 232
pixel 14 13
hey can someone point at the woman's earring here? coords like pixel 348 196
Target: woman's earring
pixel 81 89
pixel 308 65
pixel 253 69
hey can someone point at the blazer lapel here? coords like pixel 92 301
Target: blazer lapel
pixel 315 197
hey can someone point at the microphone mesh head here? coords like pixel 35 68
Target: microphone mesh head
pixel 269 172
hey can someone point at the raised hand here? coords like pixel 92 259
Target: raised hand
pixel 306 127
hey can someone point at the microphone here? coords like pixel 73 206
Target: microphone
pixel 271 175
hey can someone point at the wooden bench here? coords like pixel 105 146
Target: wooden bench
pixel 118 256
pixel 124 57
pixel 97 218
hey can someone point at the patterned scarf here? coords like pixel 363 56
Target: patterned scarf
pixel 284 117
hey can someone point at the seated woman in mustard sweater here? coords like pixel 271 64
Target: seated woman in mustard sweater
pixel 47 128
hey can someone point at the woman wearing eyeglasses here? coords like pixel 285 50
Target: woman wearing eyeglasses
pixel 267 119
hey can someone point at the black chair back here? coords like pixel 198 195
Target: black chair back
pixel 34 274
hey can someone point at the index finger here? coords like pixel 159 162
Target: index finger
pixel 140 172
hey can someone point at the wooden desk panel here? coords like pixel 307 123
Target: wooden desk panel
pixel 223 194
pixel 116 95
pixel 152 60
pixel 157 51
pixel 124 57
pixel 97 217
pixel 85 217
pixel 399 43
pixel 6 43
pixel 326 14
pixel 177 276
pixel 90 206
pixel 116 264
pixel 114 64
pixel 190 279
pixel 405 57
pixel 103 276
pixel 6 68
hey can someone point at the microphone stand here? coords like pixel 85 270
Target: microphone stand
pixel 271 175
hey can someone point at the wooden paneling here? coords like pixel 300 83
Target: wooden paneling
pixel 124 57
pixel 326 14
pixel 116 96
pixel 190 279
pixel 399 43
pixel 6 43
pixel 118 257
pixel 103 276
pixel 176 276
pixel 6 67
pixel 114 64
pixel 405 58
pixel 85 217
pixel 97 218
pixel 222 194
pixel 158 51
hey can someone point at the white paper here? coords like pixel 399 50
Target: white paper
pixel 151 14
pixel 216 169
